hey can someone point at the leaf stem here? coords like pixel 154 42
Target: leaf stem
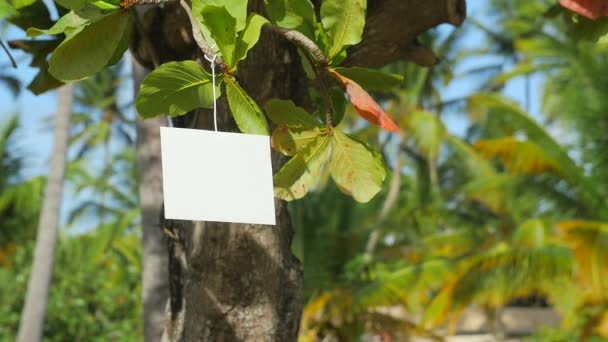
pixel 329 108
pixel 200 40
pixel 8 53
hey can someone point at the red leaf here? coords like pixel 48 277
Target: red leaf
pixel 365 105
pixel 589 8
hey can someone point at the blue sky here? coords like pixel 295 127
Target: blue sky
pixel 34 111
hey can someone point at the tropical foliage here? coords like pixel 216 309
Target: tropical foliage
pixel 90 297
pixel 503 213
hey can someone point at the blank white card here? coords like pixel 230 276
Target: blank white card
pixel 217 176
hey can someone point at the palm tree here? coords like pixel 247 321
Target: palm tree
pixel 155 277
pixel 32 319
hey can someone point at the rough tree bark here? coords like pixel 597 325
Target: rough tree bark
pixel 155 281
pixel 235 282
pixel 38 287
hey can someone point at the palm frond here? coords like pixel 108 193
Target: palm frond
pixel 511 113
pixel 405 286
pixel 532 233
pixel 518 156
pixel 495 277
pixel 588 241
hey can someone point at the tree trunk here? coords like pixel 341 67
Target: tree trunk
pixel 155 278
pixel 38 287
pixel 236 282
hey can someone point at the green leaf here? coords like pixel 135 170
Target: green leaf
pixel 301 172
pixel 39 50
pixel 22 3
pixel 88 51
pixel 65 24
pixel 43 81
pixel 372 79
pixel 355 167
pixel 30 13
pixel 285 112
pixel 587 29
pixel 71 4
pixel 297 15
pixel 343 21
pixel 249 37
pixel 321 37
pixel 6 9
pixel 221 27
pixel 246 112
pixel 106 5
pixel 338 101
pixel 123 46
pixel 72 23
pixel 175 88
pixel 236 8
pixel 291 140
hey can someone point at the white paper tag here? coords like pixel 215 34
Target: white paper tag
pixel 217 176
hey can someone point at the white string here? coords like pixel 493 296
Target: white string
pixel 212 60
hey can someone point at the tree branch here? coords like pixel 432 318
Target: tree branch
pixel 301 41
pixel 392 27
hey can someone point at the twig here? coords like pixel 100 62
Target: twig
pixel 302 41
pixel 317 57
pixel 329 108
pixel 9 54
pixel 133 3
pixel 200 40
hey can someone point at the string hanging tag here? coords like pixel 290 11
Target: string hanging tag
pixel 212 61
pixel 191 189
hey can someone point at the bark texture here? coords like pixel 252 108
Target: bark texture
pixel 392 28
pixel 235 282
pixel 38 287
pixel 155 275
